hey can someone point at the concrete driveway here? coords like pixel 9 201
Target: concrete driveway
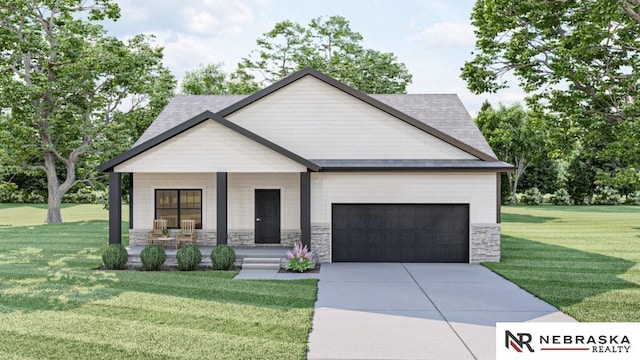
pixel 416 311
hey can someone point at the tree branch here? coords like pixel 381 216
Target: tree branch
pixel 33 167
pixel 630 11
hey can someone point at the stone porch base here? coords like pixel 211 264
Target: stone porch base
pixel 207 237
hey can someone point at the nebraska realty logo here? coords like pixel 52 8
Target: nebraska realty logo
pixel 567 341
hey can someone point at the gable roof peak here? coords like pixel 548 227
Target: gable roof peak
pixel 369 99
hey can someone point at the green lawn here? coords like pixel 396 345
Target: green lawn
pixel 583 260
pixel 53 305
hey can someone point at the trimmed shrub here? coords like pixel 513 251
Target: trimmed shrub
pixel 223 257
pixel 115 257
pixel 189 257
pixel 606 195
pixel 532 196
pixel 561 197
pixel 633 198
pixel 153 257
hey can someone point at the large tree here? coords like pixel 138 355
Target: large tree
pixel 578 59
pixel 328 45
pixel 75 95
pixel 515 136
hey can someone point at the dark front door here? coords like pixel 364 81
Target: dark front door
pixel 267 216
pixel 400 232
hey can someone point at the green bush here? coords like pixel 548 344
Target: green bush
pixel 35 197
pixel 561 197
pixel 189 257
pixel 532 196
pixel 581 175
pixel 153 257
pixel 115 257
pixel 85 195
pixel 606 195
pixel 633 198
pixel 223 257
pixel 9 193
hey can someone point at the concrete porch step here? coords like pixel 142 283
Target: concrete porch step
pixel 261 260
pixel 261 266
pixel 263 263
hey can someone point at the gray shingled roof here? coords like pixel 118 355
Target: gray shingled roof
pixel 182 108
pixel 443 112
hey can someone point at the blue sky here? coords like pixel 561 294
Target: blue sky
pixel 432 37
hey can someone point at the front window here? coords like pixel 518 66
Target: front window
pixel 177 205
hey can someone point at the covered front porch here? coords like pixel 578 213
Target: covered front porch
pixel 228 208
pixel 222 176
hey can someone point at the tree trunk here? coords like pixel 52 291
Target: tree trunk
pixel 521 166
pixel 54 199
pixel 55 189
pixel 53 210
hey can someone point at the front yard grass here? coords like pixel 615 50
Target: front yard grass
pixel 583 260
pixel 53 305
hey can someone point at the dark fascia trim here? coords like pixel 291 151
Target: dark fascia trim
pixel 361 96
pixel 411 169
pixel 466 166
pixel 206 115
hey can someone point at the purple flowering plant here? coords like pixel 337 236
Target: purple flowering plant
pixel 299 258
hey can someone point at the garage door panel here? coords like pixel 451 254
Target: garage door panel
pixel 400 232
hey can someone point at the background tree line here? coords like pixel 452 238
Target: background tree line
pixel 568 174
pixel 578 61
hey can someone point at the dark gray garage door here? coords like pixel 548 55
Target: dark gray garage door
pixel 400 232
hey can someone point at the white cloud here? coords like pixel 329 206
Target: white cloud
pixel 183 52
pixel 223 17
pixel 447 35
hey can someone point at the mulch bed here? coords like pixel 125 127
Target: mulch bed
pixel 315 270
pixel 170 268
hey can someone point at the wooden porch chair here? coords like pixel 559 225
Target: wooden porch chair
pixel 187 233
pixel 159 225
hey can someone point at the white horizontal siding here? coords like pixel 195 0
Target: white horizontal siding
pixel 476 189
pixel 241 198
pixel 210 147
pixel 144 186
pixel 318 121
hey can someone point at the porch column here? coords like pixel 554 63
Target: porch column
pixel 221 207
pixel 115 208
pixel 498 197
pixel 130 200
pixel 305 208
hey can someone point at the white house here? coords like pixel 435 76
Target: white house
pixel 390 178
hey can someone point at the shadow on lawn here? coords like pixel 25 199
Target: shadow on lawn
pixel 50 267
pixel 527 219
pixel 559 275
pixel 47 267
pixel 35 206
